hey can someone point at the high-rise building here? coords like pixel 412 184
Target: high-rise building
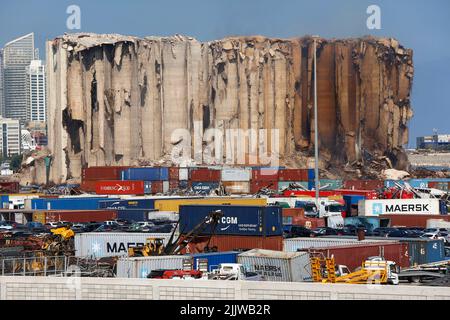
pixel 2 96
pixel 10 137
pixel 17 55
pixel 36 97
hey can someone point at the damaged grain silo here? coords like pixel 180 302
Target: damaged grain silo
pixel 120 100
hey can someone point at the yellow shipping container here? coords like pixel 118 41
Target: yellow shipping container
pixel 39 217
pixel 174 204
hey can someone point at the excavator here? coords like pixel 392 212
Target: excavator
pixel 156 247
pixel 374 270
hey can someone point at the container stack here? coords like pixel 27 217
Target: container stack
pixel 240 227
pixel 204 180
pixel 236 181
pixel 93 175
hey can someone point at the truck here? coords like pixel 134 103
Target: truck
pixel 233 271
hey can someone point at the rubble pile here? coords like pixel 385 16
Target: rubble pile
pixel 117 100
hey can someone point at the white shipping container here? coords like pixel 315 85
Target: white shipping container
pixel 140 267
pixel 438 223
pixel 165 186
pixel 236 174
pixel 278 266
pixel 374 208
pixel 295 244
pixel 111 244
pixel 183 174
pixel 237 187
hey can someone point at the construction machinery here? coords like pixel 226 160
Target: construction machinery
pixel 60 241
pixel 156 246
pixel 375 270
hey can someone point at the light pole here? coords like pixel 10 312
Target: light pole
pixel 316 128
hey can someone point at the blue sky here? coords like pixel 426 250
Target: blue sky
pixel 421 25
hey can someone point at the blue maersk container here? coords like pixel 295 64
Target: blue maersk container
pixel 236 220
pixel 91 203
pixel 136 215
pixel 145 174
pixel 215 258
pixel 423 251
pixel 127 204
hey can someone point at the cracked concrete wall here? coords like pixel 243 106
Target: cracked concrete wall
pixel 114 100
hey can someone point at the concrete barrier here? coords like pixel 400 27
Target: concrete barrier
pixel 49 288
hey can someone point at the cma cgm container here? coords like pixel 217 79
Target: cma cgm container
pixel 236 220
pixel 88 203
pixel 278 266
pixel 74 216
pixel 140 267
pixel 214 259
pixel 119 187
pixel 354 255
pixel 127 204
pixel 398 206
pixel 146 174
pixel 204 187
pixel 235 243
pixel 111 244
pixel 174 204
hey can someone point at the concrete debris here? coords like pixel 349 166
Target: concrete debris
pixel 392 174
pixel 116 100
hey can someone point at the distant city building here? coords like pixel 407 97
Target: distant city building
pixel 2 95
pixel 36 96
pixel 10 138
pixel 38 131
pixel 435 142
pixel 17 55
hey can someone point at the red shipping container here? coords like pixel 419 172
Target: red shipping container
pixel 80 216
pixel 298 218
pixel 9 187
pixel 324 194
pixel 120 187
pixel 255 186
pixel 231 243
pixel 293 175
pixel 369 195
pixel 88 185
pixel 102 173
pixel 174 184
pixel 157 187
pixel 265 175
pixel 205 175
pixel 354 255
pixel 363 184
pixel 174 173
pixel 410 220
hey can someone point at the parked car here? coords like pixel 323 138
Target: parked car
pixel 399 233
pixel 291 231
pixel 351 230
pixel 107 228
pixel 326 231
pixel 78 227
pixel 382 232
pixel 90 227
